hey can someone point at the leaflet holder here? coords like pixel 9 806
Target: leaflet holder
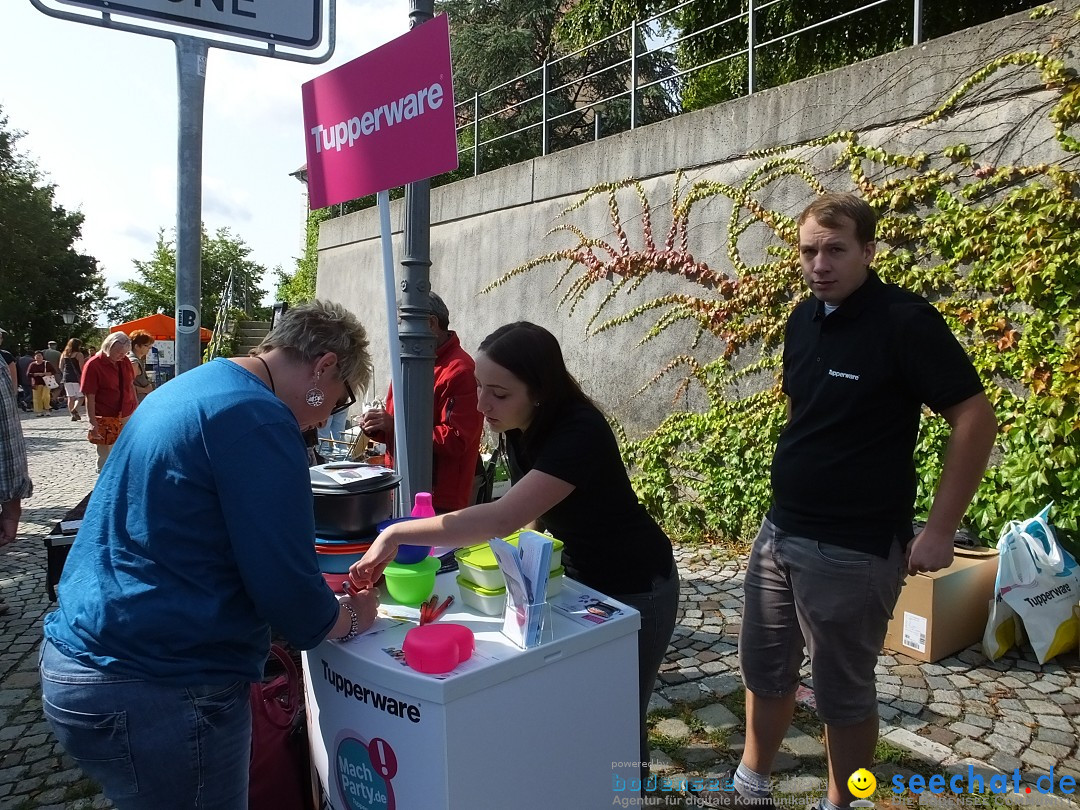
pixel 527 626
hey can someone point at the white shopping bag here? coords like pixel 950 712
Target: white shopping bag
pixel 1003 628
pixel 1038 583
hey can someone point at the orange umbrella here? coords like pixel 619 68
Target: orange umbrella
pixel 161 326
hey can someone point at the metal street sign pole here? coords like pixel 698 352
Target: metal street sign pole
pixel 417 397
pixel 291 24
pixel 191 82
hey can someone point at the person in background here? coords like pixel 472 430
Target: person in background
pixel 8 360
pixel 330 434
pixel 71 363
pixel 15 483
pixel 22 363
pixel 568 475
pixel 861 357
pixel 141 342
pixel 199 538
pixel 110 395
pixel 36 373
pixel 52 355
pixel 455 440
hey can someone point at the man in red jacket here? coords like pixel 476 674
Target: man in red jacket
pixel 455 441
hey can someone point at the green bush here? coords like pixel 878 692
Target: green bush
pixel 995 247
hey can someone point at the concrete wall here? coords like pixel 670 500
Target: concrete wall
pixel 485 226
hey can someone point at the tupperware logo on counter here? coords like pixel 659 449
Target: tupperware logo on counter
pixel 364 773
pixel 372 697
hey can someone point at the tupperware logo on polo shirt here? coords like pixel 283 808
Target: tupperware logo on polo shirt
pixel 842 374
pixel 372 697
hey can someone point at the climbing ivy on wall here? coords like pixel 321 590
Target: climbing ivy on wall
pixel 995 247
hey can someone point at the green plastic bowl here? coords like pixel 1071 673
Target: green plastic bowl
pixel 411 584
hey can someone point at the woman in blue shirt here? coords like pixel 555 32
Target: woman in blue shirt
pixel 198 538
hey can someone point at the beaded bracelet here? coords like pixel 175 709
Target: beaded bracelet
pixel 354 627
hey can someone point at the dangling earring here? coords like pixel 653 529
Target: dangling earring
pixel 537 404
pixel 315 397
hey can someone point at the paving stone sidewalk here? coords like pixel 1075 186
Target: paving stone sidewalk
pixel 998 717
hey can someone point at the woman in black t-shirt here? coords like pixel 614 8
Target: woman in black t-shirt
pixel 567 473
pixel 71 363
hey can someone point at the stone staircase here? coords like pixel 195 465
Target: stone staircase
pixel 249 334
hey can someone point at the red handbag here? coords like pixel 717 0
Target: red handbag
pixel 279 776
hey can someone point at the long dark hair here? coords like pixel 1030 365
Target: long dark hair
pixel 73 345
pixel 533 355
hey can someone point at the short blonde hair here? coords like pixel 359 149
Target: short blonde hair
pixel 308 331
pixel 113 339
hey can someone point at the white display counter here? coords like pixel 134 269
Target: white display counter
pixel 555 726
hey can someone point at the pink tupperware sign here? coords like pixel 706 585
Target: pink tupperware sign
pixel 383 119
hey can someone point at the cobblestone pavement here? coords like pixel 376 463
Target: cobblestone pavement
pixel 34 773
pixel 999 717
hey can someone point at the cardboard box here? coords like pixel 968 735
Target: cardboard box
pixel 940 613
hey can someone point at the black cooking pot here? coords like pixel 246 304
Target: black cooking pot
pixel 350 501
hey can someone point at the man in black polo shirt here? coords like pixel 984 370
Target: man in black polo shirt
pixel 861 358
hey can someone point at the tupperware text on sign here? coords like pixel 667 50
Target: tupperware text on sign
pixel 345 133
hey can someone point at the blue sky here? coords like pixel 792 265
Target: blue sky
pixel 99 108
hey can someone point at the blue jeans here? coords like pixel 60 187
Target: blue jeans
pixel 659 607
pixel 150 746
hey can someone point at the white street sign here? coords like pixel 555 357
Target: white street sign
pixel 295 23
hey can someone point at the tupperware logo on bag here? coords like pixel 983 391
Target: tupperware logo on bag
pixel 372 697
pixel 1048 596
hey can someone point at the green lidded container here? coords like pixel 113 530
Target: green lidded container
pixel 477 563
pixel 492 601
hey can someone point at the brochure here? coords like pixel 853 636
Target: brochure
pixel 348 472
pixel 584 608
pixel 526 569
pixel 536 552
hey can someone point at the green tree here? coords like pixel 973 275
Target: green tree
pixel 495 43
pixel 869 33
pixel 223 253
pixel 300 286
pixel 41 272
